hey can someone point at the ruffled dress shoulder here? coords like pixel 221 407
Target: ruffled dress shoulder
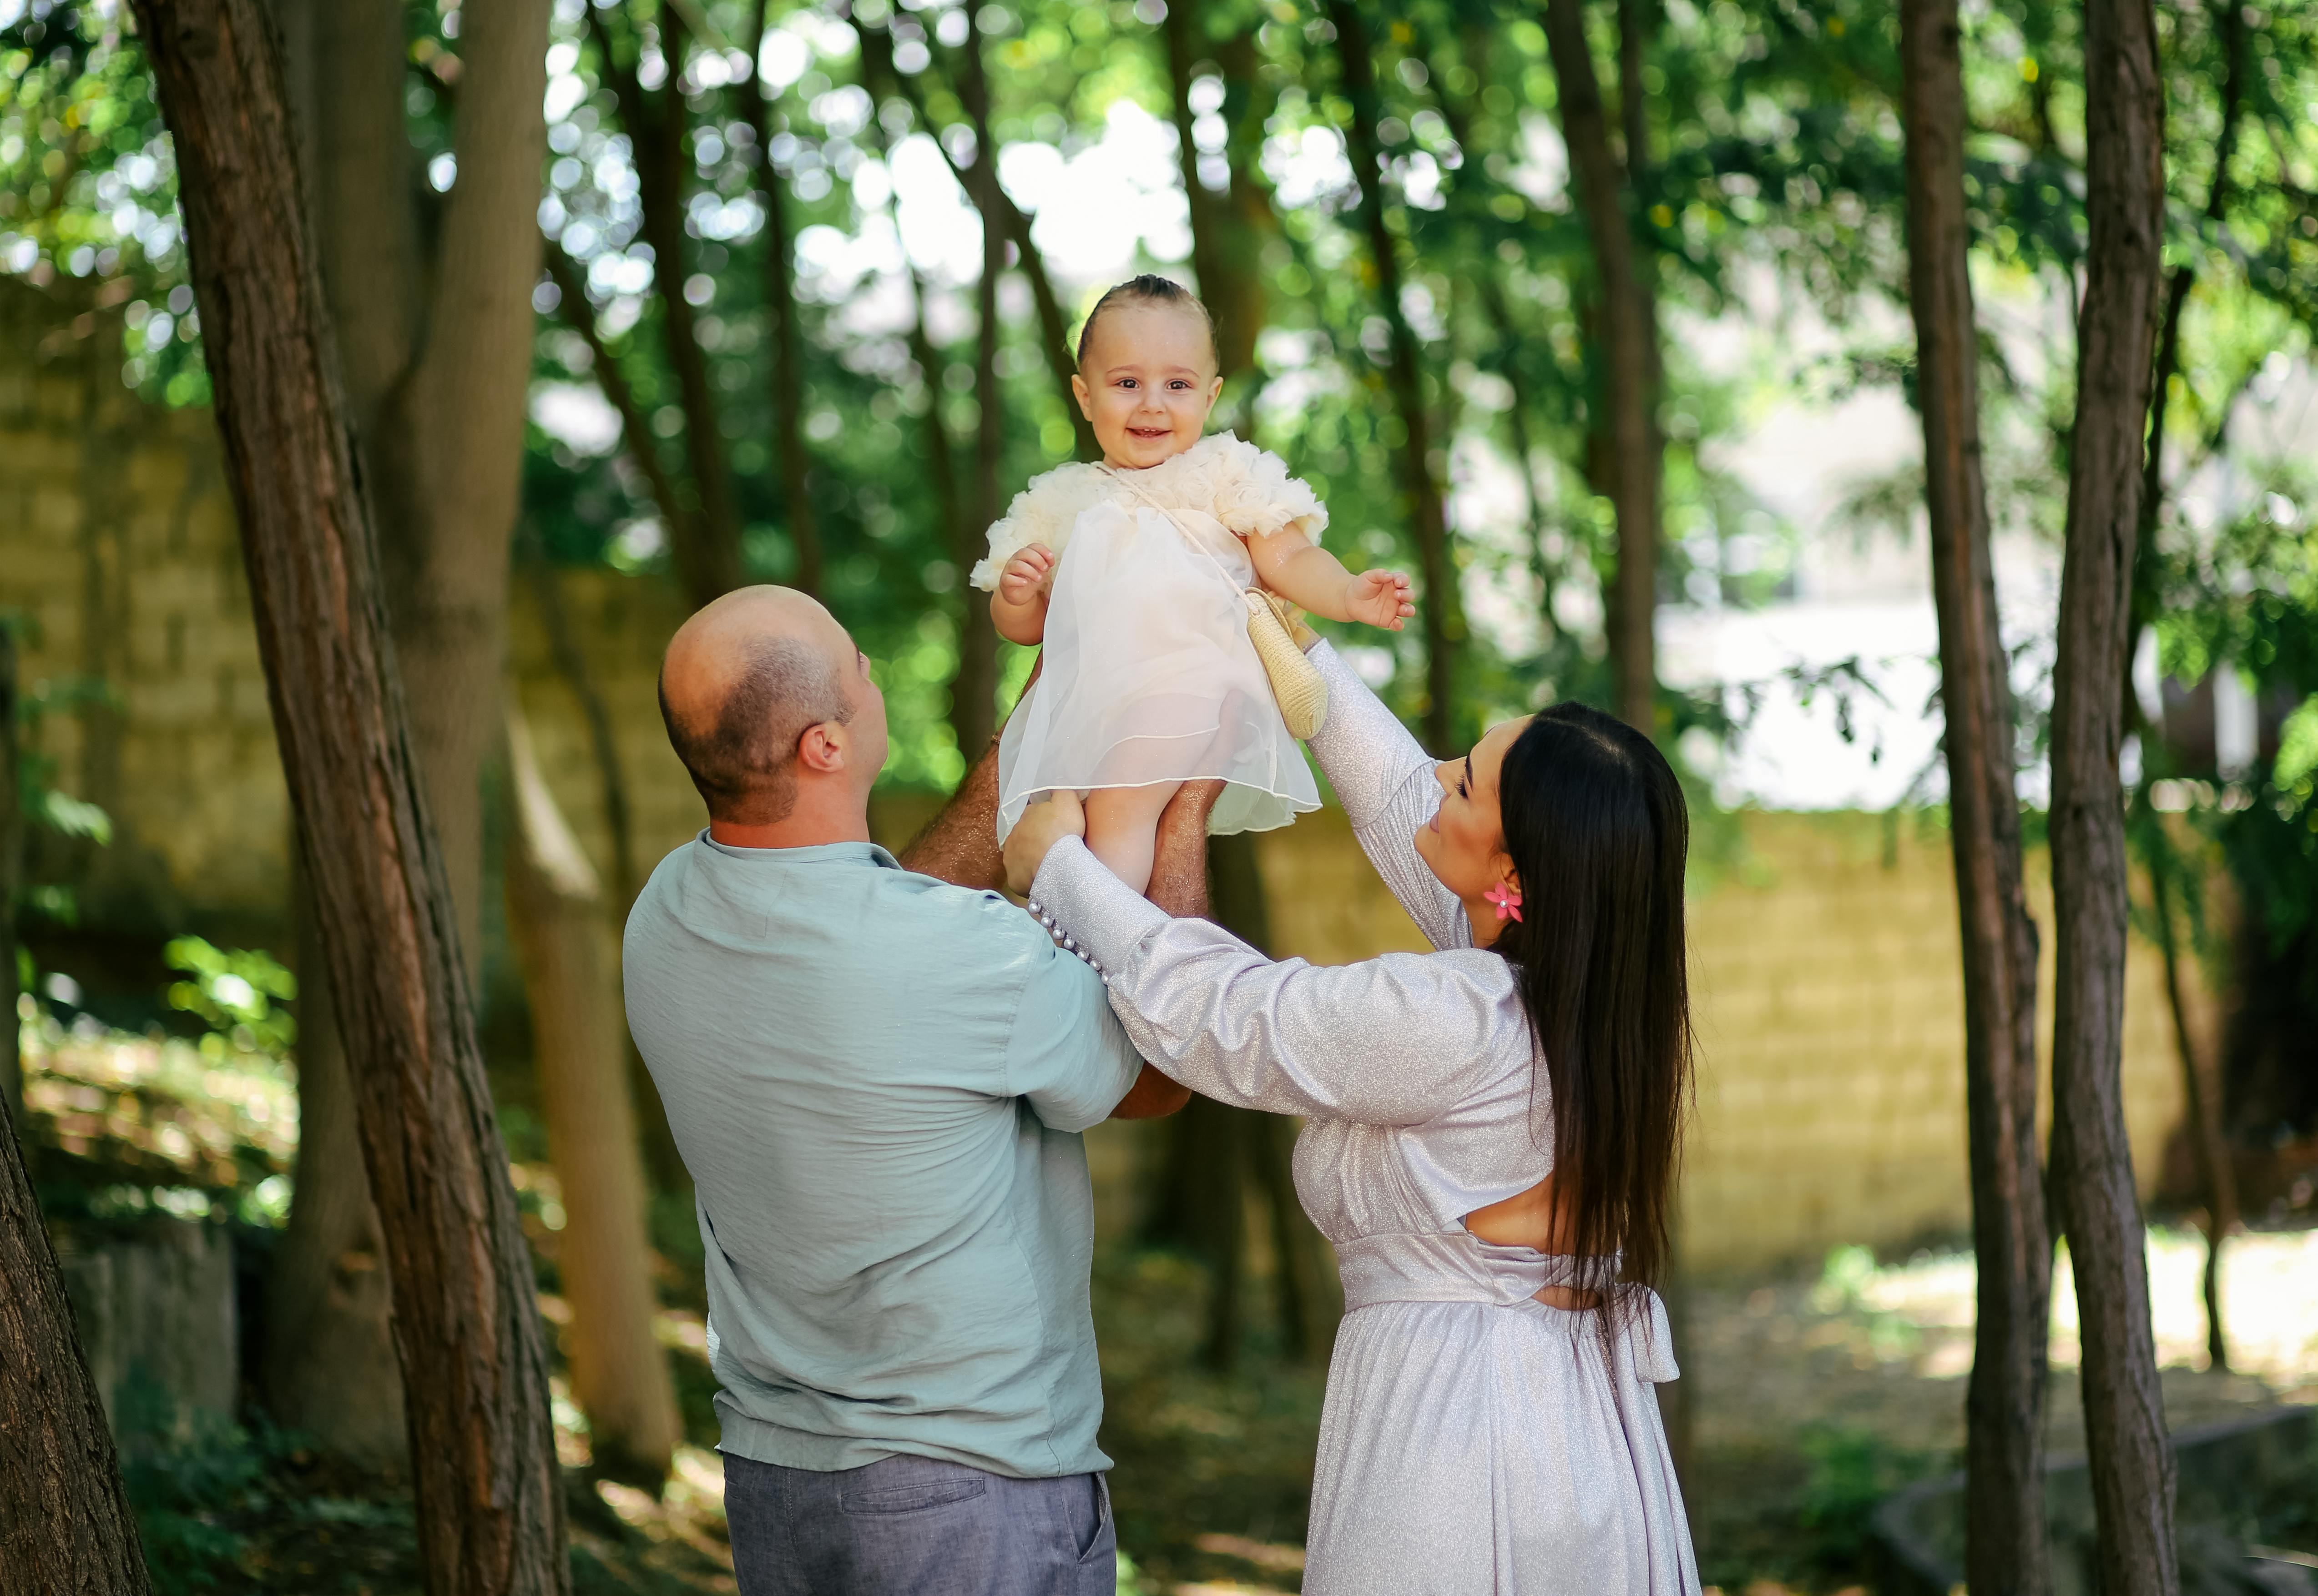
pixel 1149 676
pixel 1246 488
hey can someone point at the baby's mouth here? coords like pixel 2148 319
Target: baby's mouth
pixel 1150 434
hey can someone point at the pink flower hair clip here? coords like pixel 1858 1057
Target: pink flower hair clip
pixel 1507 900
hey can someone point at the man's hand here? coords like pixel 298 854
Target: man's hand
pixel 1043 824
pixel 1025 575
pixel 1380 599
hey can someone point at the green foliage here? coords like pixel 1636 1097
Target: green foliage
pixel 1852 1471
pixel 236 992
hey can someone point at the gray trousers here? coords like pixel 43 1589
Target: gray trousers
pixel 916 1527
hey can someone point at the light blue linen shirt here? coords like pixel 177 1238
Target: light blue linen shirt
pixel 878 1080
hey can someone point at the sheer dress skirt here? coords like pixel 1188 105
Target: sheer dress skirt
pixel 1150 677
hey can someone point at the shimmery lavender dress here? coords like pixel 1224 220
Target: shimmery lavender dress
pixel 1474 1442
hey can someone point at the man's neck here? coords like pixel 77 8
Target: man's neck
pixel 816 820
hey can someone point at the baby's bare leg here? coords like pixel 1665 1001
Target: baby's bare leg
pixel 1122 826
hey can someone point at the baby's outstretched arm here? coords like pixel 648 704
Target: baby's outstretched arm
pixel 1018 608
pixel 1303 573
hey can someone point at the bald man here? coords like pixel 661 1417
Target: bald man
pixel 878 1080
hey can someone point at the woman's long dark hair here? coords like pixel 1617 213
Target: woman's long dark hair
pixel 1595 824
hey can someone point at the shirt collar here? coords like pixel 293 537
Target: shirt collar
pixel 820 853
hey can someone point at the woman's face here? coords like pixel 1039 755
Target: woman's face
pixel 1148 381
pixel 1464 842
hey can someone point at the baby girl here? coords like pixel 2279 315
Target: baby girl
pixel 1150 679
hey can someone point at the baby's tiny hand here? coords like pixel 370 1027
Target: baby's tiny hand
pixel 1025 574
pixel 1380 598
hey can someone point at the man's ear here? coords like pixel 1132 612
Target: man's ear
pixel 1085 395
pixel 823 746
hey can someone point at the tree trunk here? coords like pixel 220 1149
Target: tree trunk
pixel 2216 1173
pixel 64 1524
pixel 663 1163
pixel 460 410
pixel 555 915
pixel 993 204
pixel 705 543
pixel 2131 1458
pixel 490 1506
pixel 1629 359
pixel 1228 229
pixel 1443 611
pixel 11 876
pixel 2003 1535
pixel 330 1370
pixel 579 314
pixel 973 707
pixel 781 324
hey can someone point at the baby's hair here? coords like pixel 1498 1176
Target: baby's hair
pixel 1149 289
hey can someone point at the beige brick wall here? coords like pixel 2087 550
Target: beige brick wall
pixel 1830 1105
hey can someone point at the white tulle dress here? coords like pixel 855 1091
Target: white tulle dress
pixel 1149 675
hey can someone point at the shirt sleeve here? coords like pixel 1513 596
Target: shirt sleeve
pixel 1069 1057
pixel 1385 780
pixel 1396 1040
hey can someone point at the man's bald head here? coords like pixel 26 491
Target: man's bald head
pixel 743 681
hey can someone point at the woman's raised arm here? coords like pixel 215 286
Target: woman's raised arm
pixel 1385 780
pixel 1396 1040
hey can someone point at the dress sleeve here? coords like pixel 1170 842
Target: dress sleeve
pixel 1385 781
pixel 1394 1041
pixel 1044 511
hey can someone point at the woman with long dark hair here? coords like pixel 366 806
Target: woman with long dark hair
pixel 1491 1134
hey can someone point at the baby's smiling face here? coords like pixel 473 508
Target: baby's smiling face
pixel 1148 383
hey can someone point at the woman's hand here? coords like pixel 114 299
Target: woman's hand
pixel 1042 825
pixel 1025 575
pixel 1380 599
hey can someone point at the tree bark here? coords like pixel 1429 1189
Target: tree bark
pixel 2003 1535
pixel 2132 1457
pixel 555 915
pixel 330 1370
pixel 781 322
pixel 1634 449
pixel 11 874
pixel 490 1506
pixel 705 543
pixel 1443 611
pixel 63 1523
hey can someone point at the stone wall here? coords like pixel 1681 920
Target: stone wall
pixel 1825 959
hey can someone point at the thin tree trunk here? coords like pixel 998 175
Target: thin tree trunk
pixel 974 709
pixel 460 410
pixel 490 1506
pixel 705 544
pixel 555 914
pixel 2132 1457
pixel 2216 1173
pixel 579 314
pixel 2004 1533
pixel 1228 229
pixel 663 1161
pixel 993 204
pixel 64 1524
pixel 11 874
pixel 781 321
pixel 1630 431
pixel 330 1368
pixel 436 358
pixel 1443 611
pixel 1014 226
